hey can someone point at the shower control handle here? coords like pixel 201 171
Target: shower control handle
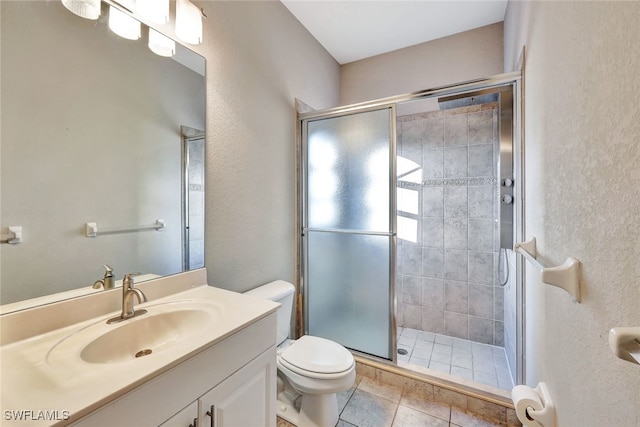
pixel 507 199
pixel 507 182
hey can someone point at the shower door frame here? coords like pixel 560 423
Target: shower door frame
pixel 515 80
pixel 303 119
pixel 188 135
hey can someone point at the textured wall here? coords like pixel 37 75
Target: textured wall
pixel 259 58
pixel 582 159
pixel 460 57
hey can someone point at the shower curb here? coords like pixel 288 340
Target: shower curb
pixel 486 402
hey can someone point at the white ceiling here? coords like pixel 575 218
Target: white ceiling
pixel 355 29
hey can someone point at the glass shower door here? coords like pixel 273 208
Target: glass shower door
pixel 349 228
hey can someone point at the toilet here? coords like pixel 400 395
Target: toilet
pixel 311 370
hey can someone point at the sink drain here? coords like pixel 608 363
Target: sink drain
pixel 402 351
pixel 143 352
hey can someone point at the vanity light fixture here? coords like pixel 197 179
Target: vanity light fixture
pixel 161 44
pixel 188 22
pixel 188 27
pixel 89 9
pixel 123 25
pixel 156 11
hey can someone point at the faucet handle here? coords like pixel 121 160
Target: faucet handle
pixel 108 271
pixel 106 280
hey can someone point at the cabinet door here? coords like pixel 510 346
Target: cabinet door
pixel 246 398
pixel 185 418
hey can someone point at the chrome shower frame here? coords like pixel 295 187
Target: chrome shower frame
pixel 512 214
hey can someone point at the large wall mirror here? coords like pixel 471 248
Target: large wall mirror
pixel 95 129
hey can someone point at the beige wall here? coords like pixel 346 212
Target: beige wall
pixel 582 148
pixel 460 57
pixel 259 58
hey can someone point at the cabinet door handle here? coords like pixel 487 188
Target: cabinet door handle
pixel 210 413
pixel 195 423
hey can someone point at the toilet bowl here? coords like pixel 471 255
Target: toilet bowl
pixel 311 370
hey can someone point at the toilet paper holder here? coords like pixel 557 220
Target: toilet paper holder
pixel 534 406
pixel 546 416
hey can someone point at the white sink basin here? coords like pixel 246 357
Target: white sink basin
pixel 163 327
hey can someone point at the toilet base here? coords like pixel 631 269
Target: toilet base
pixel 320 410
pixel 286 409
pixel 306 410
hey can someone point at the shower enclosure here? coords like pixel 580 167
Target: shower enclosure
pixel 407 207
pixel 348 233
pixel 193 155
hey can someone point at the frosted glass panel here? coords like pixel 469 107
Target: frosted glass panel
pixel 348 290
pixel 348 172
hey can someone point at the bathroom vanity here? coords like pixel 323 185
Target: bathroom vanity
pixel 199 356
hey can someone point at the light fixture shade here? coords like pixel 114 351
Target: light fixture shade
pixel 130 5
pixel 156 11
pixel 161 44
pixel 89 9
pixel 123 25
pixel 188 22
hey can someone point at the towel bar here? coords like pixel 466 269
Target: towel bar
pixel 565 276
pixel 14 236
pixel 92 228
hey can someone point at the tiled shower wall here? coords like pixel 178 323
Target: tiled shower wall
pixel 448 250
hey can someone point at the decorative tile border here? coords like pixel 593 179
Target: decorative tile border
pixel 449 182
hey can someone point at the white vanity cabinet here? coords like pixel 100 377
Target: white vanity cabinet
pixel 230 384
pixel 187 417
pixel 242 400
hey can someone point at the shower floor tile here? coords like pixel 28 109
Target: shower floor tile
pixel 482 363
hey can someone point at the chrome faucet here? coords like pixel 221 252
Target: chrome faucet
pixel 128 292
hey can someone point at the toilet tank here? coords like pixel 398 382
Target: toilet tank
pixel 281 292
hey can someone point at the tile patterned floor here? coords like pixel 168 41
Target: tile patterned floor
pixel 374 404
pixel 482 363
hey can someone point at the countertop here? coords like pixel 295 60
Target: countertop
pixel 54 387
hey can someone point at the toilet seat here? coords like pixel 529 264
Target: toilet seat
pixel 316 357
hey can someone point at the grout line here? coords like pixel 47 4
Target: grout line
pixel 473 360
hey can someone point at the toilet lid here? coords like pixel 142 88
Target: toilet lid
pixel 318 355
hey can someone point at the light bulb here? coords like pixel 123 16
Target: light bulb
pixel 161 44
pixel 156 11
pixel 123 25
pixel 89 9
pixel 188 22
